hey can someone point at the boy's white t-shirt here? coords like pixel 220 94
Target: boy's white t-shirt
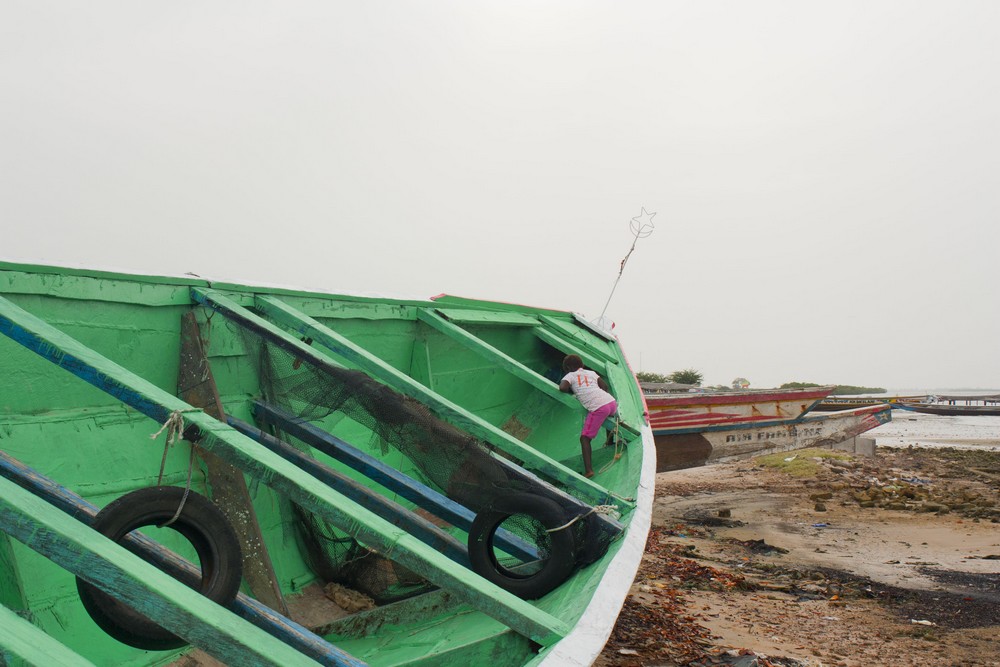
pixel 585 387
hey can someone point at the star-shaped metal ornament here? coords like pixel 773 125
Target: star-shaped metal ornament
pixel 642 224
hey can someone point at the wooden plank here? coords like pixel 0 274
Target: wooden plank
pixel 488 317
pixel 196 386
pixel 241 451
pixel 419 494
pixel 558 342
pixel 263 617
pixel 391 511
pixel 22 641
pixel 579 336
pixel 93 557
pixel 598 331
pixel 584 489
pixel 495 356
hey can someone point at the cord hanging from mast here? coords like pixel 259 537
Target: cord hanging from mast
pixel 641 226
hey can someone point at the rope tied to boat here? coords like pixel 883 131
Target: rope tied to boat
pixel 598 509
pixel 619 445
pixel 174 426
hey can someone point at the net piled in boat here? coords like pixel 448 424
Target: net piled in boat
pixel 451 461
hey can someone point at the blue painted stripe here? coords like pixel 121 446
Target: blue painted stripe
pixel 419 494
pixel 263 617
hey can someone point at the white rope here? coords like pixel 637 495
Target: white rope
pixel 599 509
pixel 174 427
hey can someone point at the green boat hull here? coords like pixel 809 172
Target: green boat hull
pixel 91 362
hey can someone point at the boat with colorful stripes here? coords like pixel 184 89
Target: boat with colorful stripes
pixel 676 451
pixel 687 412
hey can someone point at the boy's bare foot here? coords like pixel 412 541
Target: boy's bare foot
pixel 588 475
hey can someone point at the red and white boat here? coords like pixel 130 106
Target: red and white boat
pixel 699 412
pixel 688 449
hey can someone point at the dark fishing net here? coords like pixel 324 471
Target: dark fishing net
pixel 456 464
pixel 531 531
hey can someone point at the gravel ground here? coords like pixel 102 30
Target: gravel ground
pixel 818 558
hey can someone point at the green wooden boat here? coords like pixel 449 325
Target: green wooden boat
pixel 281 450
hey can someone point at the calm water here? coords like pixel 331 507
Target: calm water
pixel 919 430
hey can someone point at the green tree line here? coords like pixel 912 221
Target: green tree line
pixel 686 376
pixel 840 390
pixel 694 377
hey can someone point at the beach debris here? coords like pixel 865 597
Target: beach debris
pixel 874 486
pixel 347 599
pixel 655 621
pixel 759 546
pixel 703 518
pixel 747 658
pixel 914 480
pixel 810 592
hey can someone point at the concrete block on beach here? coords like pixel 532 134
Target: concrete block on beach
pixel 856 445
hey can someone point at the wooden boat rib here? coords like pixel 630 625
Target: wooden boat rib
pixel 477 369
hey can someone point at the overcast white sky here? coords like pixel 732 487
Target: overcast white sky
pixel 824 174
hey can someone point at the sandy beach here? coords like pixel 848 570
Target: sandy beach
pixel 821 558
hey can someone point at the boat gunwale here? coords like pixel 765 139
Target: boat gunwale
pixel 227 284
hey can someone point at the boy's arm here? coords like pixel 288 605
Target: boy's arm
pixel 565 388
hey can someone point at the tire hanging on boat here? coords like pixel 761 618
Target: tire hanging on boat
pixel 201 523
pixel 534 519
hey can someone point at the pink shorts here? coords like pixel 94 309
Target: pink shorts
pixel 592 424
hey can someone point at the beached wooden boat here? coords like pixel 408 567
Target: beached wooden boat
pixel 698 412
pixel 416 451
pixel 675 451
pixel 952 409
pixel 838 403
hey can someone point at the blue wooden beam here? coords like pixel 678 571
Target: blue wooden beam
pixel 123 575
pixel 265 618
pixel 419 494
pixel 389 510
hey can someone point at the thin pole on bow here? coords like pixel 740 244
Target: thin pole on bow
pixel 641 226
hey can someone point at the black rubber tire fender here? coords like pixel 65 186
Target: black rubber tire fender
pixel 201 523
pixel 552 572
